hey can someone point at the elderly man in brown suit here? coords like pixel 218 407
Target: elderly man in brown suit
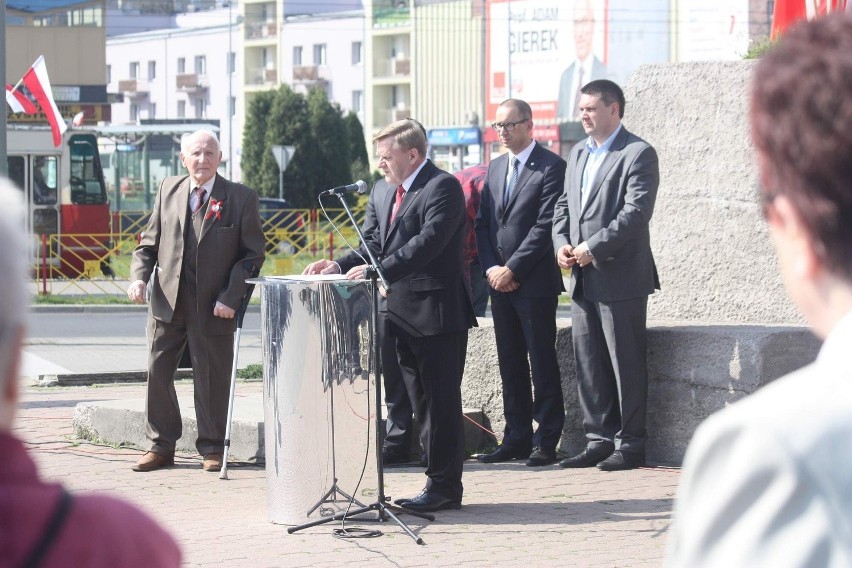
pixel 203 241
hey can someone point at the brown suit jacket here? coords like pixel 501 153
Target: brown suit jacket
pixel 228 250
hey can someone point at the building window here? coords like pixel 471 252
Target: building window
pixel 109 74
pixel 357 52
pixel 200 108
pixel 152 70
pixel 319 54
pixel 357 101
pixel 134 112
pixel 181 112
pixel 152 111
pixel 297 55
pixel 200 65
pixel 181 65
pixel 134 69
pixel 232 62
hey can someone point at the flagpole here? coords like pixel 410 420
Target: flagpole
pixel 3 163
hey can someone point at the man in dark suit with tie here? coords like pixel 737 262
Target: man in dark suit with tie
pixel 204 239
pixel 600 231
pixel 513 236
pixel 419 243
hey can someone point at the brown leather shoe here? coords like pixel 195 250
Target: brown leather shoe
pixel 152 460
pixel 212 462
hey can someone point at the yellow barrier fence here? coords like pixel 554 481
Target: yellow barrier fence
pixel 84 264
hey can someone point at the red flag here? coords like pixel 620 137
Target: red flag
pixel 788 12
pixel 37 82
pixel 19 101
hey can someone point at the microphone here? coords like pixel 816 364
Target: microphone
pixel 358 187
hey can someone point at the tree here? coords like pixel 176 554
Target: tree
pixel 254 140
pixel 324 147
pixel 357 149
pixel 332 137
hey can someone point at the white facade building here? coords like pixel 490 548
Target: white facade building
pixel 183 73
pixel 326 51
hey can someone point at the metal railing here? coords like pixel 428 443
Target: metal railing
pixel 86 264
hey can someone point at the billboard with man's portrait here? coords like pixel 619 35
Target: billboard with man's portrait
pixel 542 51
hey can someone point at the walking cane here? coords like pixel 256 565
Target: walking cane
pixel 241 311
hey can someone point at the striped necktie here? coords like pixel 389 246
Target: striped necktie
pixel 513 181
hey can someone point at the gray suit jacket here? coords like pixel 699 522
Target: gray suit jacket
pixel 228 248
pixel 614 222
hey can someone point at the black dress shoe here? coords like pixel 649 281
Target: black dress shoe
pixel 589 457
pixel 619 461
pixel 428 502
pixel 401 501
pixel 504 454
pixel 540 456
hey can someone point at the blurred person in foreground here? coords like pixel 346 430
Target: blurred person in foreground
pixel 42 524
pixel 419 244
pixel 766 482
pixel 204 239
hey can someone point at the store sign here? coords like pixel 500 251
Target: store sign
pixel 453 136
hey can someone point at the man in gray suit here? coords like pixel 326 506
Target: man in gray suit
pixel 600 231
pixel 204 239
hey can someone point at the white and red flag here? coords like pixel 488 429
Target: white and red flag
pixel 35 81
pixel 787 12
pixel 18 100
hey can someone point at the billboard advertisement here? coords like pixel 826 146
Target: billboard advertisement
pixel 542 51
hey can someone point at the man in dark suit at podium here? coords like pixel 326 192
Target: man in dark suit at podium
pixel 419 243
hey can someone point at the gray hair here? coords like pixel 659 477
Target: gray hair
pixel 14 260
pixel 187 139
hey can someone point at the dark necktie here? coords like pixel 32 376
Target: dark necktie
pixel 400 193
pixel 513 180
pixel 199 199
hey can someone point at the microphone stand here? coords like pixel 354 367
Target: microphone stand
pixel 382 506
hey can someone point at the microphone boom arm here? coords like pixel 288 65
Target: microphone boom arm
pixel 360 234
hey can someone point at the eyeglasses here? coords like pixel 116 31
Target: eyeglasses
pixel 507 126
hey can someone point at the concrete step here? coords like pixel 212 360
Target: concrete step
pixel 122 422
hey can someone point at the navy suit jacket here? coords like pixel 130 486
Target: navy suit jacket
pixel 519 235
pixel 421 253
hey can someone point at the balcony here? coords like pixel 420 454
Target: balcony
pixel 191 83
pixel 262 76
pixel 400 113
pixel 133 88
pixel 261 30
pixel 401 66
pixel 310 74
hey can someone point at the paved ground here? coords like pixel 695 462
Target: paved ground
pixel 512 515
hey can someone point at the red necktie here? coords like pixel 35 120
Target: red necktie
pixel 199 199
pixel 400 193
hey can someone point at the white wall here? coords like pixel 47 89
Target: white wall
pixel 338 34
pixel 165 47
